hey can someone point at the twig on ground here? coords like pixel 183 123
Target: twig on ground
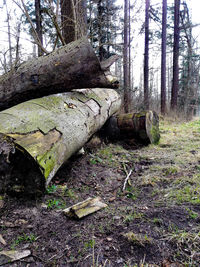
pixel 126 180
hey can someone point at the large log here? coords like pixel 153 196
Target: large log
pixel 70 67
pixel 142 126
pixel 39 135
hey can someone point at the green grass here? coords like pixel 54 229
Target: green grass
pixel 133 216
pixel 51 189
pixel 24 238
pixel 192 214
pixel 55 204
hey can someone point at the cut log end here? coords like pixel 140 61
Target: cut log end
pixel 19 173
pixel 38 136
pixel 143 126
pixel 152 127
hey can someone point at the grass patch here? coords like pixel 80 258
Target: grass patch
pixel 188 194
pixel 55 204
pixel 133 216
pixel 24 238
pixel 186 243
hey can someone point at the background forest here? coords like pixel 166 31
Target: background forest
pixel 141 170
pixel 158 65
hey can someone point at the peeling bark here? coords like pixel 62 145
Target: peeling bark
pixel 39 135
pixel 70 67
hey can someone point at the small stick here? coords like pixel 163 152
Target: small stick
pixel 126 180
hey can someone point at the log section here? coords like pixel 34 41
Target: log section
pixel 39 135
pixel 143 126
pixel 70 67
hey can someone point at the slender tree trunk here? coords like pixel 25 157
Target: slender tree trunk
pixel 125 59
pixel 163 59
pixel 73 18
pixel 39 25
pixel 17 50
pixel 146 57
pixel 129 42
pixel 100 34
pixel 175 81
pixel 189 84
pixel 9 37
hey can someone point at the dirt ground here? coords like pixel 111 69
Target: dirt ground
pixel 155 221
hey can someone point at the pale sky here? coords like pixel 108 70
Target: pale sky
pixel 193 4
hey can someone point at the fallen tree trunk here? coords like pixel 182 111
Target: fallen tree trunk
pixel 70 67
pixel 39 135
pixel 143 126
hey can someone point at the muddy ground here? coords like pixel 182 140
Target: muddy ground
pixel 155 221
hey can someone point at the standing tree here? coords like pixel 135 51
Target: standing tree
pixel 100 24
pixel 175 80
pixel 104 27
pixel 126 58
pixel 73 18
pixel 38 17
pixel 188 96
pixel 9 35
pixel 146 56
pixel 163 58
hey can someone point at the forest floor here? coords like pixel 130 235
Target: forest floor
pixel 155 221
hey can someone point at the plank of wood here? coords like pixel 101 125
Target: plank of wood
pixel 85 208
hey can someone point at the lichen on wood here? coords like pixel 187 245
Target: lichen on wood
pixel 142 126
pixel 85 208
pixel 41 134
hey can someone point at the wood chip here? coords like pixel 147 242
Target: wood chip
pixel 17 223
pixel 13 255
pixel 2 240
pixel 85 208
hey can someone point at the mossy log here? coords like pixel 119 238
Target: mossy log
pixel 143 126
pixel 70 67
pixel 39 135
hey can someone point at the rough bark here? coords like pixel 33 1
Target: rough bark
pixel 100 22
pixel 126 59
pixel 146 57
pixel 163 58
pixel 175 80
pixel 143 126
pixel 72 66
pixel 73 18
pixel 39 135
pixel 38 20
